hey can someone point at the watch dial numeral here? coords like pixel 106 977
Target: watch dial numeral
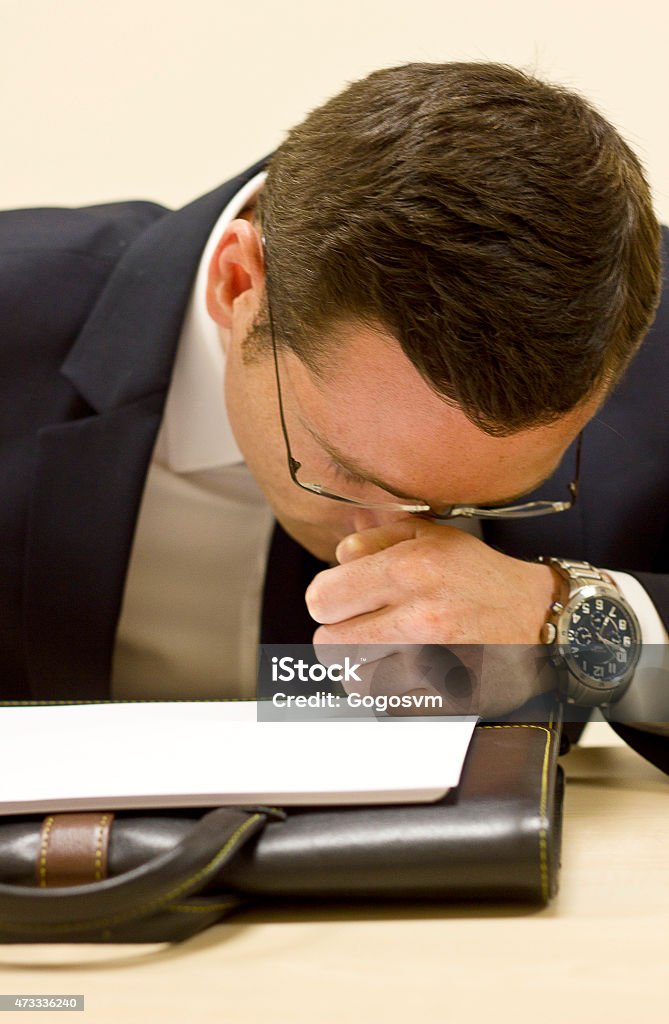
pixel 600 641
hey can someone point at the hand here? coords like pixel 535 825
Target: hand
pixel 417 583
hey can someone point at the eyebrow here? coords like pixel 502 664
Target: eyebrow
pixel 356 469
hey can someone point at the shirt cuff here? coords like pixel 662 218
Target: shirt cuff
pixel 645 704
pixel 652 626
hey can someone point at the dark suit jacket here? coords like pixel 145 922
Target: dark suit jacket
pixel 91 307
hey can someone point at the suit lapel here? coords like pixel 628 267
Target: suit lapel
pixel 90 472
pixel 87 490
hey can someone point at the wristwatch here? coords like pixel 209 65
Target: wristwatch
pixel 595 635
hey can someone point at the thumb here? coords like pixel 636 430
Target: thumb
pixel 376 538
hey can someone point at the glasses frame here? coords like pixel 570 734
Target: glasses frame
pixel 525 510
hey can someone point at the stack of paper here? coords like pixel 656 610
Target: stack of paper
pixel 206 753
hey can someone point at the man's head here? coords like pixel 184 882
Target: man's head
pixel 493 230
pixel 497 226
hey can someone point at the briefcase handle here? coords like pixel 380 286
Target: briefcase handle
pixel 43 915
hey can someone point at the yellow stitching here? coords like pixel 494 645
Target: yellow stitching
pixel 515 725
pixel 543 802
pixel 48 822
pixel 156 903
pixel 181 908
pixel 98 846
pixel 543 831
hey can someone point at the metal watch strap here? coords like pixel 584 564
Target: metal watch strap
pixel 578 575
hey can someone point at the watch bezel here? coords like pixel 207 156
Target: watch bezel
pixel 583 594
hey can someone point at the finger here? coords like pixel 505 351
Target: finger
pixel 360 658
pixel 379 630
pixel 356 654
pixel 346 591
pixel 361 582
pixel 376 538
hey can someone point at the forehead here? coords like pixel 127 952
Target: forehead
pixel 372 405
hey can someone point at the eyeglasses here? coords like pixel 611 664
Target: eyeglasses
pixel 524 511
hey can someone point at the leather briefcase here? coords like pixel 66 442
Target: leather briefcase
pixel 152 876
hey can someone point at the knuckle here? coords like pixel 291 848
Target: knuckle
pixel 429 560
pixel 419 564
pixel 402 565
pixel 314 596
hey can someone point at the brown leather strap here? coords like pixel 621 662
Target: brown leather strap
pixel 73 849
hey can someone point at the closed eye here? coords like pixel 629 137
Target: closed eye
pixel 344 474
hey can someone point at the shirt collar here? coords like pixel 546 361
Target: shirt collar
pixel 195 432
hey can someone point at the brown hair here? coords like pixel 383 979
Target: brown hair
pixel 496 225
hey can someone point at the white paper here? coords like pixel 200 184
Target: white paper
pixel 172 754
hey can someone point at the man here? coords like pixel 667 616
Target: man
pixel 445 277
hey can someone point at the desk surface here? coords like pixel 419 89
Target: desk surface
pixel 597 953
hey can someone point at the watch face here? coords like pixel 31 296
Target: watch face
pixel 601 644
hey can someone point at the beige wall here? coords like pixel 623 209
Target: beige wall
pixel 149 99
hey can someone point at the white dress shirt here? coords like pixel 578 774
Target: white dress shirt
pixel 189 624
pixel 190 619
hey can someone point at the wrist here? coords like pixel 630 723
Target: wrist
pixel 546 588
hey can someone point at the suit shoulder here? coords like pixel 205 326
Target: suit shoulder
pixel 99 232
pixel 53 264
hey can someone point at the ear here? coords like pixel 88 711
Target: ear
pixel 236 278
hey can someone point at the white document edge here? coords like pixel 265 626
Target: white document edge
pixel 203 753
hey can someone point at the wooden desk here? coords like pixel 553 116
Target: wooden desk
pixel 597 954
